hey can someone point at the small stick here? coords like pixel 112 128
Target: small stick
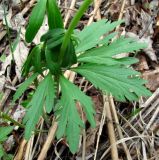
pixel 7 93
pixel 25 10
pixel 19 155
pixel 37 141
pixel 29 148
pixel 97 5
pixel 69 12
pixel 111 132
pixel 94 12
pixel 48 142
pixel 102 122
pixel 84 145
pixel 113 110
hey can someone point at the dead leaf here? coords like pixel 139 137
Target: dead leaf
pixel 142 65
pixel 5 64
pixel 20 56
pixel 18 21
pixel 2 82
pixel 8 145
pixel 153 79
pixel 147 24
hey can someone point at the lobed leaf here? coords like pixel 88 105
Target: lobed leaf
pixel 24 86
pixel 36 20
pixel 69 119
pixel 109 61
pixel 123 83
pixel 90 35
pixel 40 97
pixel 106 52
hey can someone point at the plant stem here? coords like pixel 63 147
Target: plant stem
pixel 56 79
pixel 8 33
pixel 71 27
pixel 16 123
pixel 7 117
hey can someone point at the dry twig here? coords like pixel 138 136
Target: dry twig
pixel 48 142
pixel 111 132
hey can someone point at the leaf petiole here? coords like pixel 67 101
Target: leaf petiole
pixel 72 25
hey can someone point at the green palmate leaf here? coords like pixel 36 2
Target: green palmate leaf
pixel 4 132
pixel 36 20
pixel 123 83
pixel 41 97
pixel 69 119
pixel 90 35
pixel 107 39
pixel 109 61
pixel 54 15
pixel 24 86
pixel 104 54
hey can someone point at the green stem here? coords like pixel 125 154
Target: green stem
pixel 8 33
pixel 7 117
pixel 72 25
pixel 56 79
pixel 16 123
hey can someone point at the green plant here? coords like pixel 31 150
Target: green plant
pixel 58 51
pixel 4 132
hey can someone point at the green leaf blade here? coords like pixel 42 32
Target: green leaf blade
pixel 36 59
pixel 24 86
pixel 36 20
pixel 51 58
pixel 37 105
pixel 54 15
pixel 123 83
pixel 121 45
pixel 50 94
pixel 69 122
pixel 89 40
pixel 4 132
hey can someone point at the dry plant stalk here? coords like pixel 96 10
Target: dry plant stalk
pixel 19 155
pixel 69 12
pixel 29 148
pixel 115 116
pixel 48 142
pixel 111 132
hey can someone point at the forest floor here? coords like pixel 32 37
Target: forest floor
pixel 124 131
